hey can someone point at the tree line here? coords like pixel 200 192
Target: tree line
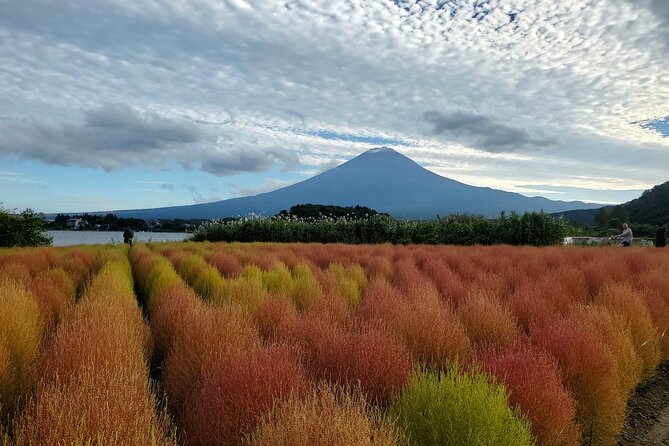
pixel 530 228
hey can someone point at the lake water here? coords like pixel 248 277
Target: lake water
pixel 68 238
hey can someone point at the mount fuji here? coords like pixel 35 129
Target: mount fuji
pixel 382 179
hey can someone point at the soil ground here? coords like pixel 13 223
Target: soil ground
pixel 648 412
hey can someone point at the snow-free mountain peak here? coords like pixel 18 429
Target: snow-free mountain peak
pixel 382 179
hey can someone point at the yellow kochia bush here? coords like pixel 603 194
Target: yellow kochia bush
pixel 21 330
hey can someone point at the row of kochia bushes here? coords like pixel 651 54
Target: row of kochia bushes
pixel 530 228
pixel 565 334
pixel 36 288
pixel 75 372
pixel 330 344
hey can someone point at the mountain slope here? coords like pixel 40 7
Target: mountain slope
pixel 382 179
pixel 652 206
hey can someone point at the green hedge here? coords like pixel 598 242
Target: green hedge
pixel 532 228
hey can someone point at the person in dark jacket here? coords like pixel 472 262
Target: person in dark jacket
pixel 128 236
pixel 660 235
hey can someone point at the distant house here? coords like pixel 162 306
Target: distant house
pixel 74 223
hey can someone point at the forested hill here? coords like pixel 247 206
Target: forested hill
pixel 652 206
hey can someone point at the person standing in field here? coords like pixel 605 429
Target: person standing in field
pixel 128 236
pixel 660 236
pixel 626 236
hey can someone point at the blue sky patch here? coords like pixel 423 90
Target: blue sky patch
pixel 336 136
pixel 661 125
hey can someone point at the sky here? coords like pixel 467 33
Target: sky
pixel 123 104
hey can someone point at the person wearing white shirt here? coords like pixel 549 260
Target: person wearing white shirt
pixel 626 236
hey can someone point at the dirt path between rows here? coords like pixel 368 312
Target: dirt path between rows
pixel 648 412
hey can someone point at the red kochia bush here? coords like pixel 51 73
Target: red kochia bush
pixel 428 326
pixel 274 314
pixel 407 275
pixel 227 264
pixel 178 308
pixel 213 335
pixel 54 291
pixel 232 395
pixel 447 281
pixel 533 380
pixel 529 306
pixel 370 358
pixel 589 370
pixel 17 272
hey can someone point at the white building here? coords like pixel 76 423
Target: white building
pixel 74 223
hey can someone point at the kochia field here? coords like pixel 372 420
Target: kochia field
pixel 309 344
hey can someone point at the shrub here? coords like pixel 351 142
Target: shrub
pixel 17 272
pixel 94 384
pixel 274 315
pixel 456 408
pixel 211 336
pixel 306 289
pixel 96 406
pixel 369 358
pixel 278 280
pixel 328 416
pixel 447 282
pixel 379 266
pixel 487 321
pixel 350 282
pixel 595 381
pixel 623 300
pixel 533 381
pixel 190 266
pixel 179 307
pixel 247 291
pixel 429 328
pixel 209 284
pixel 613 332
pixel 227 264
pixel 21 330
pixel 659 312
pixel 24 229
pixel 160 278
pixel 54 291
pixel 79 265
pixel 232 395
pixel 529 306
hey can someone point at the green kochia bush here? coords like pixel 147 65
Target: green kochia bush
pixel 459 408
pixel 532 228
